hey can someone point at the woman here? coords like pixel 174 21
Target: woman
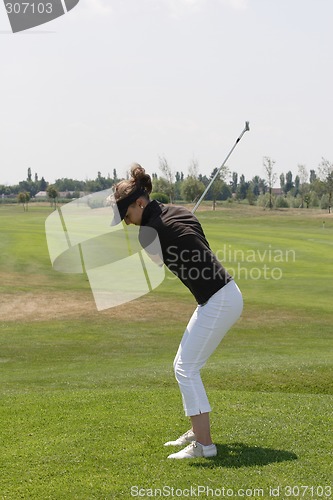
pixel 186 252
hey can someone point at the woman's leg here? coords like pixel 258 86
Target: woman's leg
pixel 201 428
pixel 203 334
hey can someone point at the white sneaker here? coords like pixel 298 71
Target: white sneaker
pixel 186 438
pixel 195 450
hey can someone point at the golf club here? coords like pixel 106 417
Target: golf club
pixel 246 128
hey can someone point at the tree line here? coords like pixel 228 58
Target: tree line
pixel 312 188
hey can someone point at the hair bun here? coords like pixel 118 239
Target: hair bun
pixel 137 172
pixel 140 178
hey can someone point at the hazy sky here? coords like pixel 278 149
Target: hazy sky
pixel 120 81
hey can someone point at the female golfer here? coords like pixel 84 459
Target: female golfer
pixel 186 252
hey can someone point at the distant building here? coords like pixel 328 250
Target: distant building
pixel 277 191
pixel 70 194
pixel 62 194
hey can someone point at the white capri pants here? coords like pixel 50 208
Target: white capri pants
pixel 205 330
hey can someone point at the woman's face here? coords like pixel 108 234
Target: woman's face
pixel 134 212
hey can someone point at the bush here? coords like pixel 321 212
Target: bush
pixel 263 200
pixel 162 197
pixel 294 201
pixel 324 202
pixel 281 202
pixel 314 200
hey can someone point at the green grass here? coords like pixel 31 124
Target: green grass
pixel 88 400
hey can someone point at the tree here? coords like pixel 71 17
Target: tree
pixel 179 176
pixel 297 186
pixel 178 184
pixel 66 184
pixel 313 176
pixel 102 182
pixel 29 175
pixel 216 188
pixel 307 199
pixel 242 188
pixel 53 194
pixel 27 187
pixel 92 186
pixel 282 182
pixel 326 172
pixel 318 187
pixel 250 196
pixel 234 182
pixel 225 192
pixel 255 186
pixel 169 176
pixel 192 189
pixel 42 184
pixel 303 176
pixel 289 182
pixel 204 179
pixel 262 186
pixel 271 176
pixel 160 185
pixel 24 199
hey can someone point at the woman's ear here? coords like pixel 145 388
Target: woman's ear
pixel 140 203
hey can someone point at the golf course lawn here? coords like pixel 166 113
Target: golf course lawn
pixel 88 398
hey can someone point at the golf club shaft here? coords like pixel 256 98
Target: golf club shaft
pixel 247 127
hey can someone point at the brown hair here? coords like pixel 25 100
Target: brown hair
pixel 139 180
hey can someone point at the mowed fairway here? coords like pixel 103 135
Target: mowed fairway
pixel 88 398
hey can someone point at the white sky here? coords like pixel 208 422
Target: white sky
pixel 120 81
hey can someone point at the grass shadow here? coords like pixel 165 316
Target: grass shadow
pixel 237 455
